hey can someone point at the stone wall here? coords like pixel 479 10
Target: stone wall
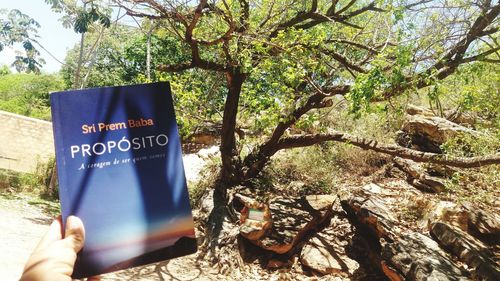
pixel 24 142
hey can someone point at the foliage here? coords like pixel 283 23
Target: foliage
pixel 28 94
pixel 82 14
pixel 279 68
pixel 479 186
pixel 104 64
pixel 292 171
pixel 35 183
pixel 207 180
pixel 475 88
pixel 475 185
pixel 19 28
pixel 485 143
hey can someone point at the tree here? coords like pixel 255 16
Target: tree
pixel 28 93
pixel 284 62
pixel 83 16
pixel 18 28
pixel 309 52
pixel 104 61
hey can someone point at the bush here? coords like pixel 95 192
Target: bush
pixel 37 182
pixel 28 94
pixel 479 185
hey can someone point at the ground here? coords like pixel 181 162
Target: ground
pixel 25 220
pixel 22 227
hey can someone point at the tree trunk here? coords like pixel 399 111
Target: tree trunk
pixel 230 173
pixel 148 54
pixel 77 83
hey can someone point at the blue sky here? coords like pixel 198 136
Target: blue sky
pixel 53 36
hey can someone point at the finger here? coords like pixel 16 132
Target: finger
pixel 94 278
pixel 74 233
pixel 54 233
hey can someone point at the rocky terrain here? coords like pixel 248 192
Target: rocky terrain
pixel 398 223
pixel 392 225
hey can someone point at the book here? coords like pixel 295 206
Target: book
pixel 120 170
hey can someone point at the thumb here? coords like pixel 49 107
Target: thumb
pixel 74 233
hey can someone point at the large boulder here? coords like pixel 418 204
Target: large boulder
pixel 448 212
pixel 468 249
pixel 427 133
pixel 483 224
pixel 417 257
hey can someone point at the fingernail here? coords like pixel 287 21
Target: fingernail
pixel 73 222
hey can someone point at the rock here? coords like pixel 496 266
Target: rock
pixel 325 252
pixel 322 257
pixel 372 212
pixel 372 188
pixel 290 220
pixel 419 177
pixel 321 202
pixel 477 222
pixel 485 224
pixel 209 152
pixel 468 249
pixel 426 133
pixel 450 213
pixel 462 118
pixel 417 110
pixel 207 202
pixel 277 264
pixel 417 257
pixel 458 117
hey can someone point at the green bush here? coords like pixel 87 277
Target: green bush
pixel 481 185
pixel 37 183
pixel 28 94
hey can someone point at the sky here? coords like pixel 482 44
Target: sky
pixel 53 36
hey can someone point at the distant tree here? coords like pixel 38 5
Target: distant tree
pixel 4 70
pixel 19 28
pixel 83 16
pixel 28 93
pixel 116 61
pixel 104 64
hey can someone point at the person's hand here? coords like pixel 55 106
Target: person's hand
pixel 55 256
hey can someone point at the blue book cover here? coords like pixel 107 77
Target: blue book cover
pixel 120 170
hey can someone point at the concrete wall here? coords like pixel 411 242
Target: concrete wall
pixel 24 141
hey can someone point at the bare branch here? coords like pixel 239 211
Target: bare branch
pixel 343 60
pixel 482 56
pixel 394 150
pixel 356 44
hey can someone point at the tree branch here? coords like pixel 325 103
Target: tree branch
pixel 394 150
pixel 355 44
pixel 482 56
pixel 245 15
pixel 449 62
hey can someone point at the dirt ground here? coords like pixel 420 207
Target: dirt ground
pixel 21 227
pixel 24 220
